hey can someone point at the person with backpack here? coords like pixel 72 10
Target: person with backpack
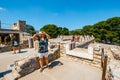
pixel 15 43
pixel 7 40
pixel 43 48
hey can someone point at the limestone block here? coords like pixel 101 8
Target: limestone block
pixel 29 64
pixel 116 52
pixel 36 45
pixel 113 70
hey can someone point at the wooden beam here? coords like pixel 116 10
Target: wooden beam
pixel 104 67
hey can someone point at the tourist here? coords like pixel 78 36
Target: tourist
pixel 15 43
pixel 7 40
pixel 43 48
pixel 73 38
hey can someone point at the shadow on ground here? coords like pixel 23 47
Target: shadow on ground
pixel 56 63
pixel 4 73
pixel 22 51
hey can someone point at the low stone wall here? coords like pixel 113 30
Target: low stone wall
pixel 113 70
pixel 116 52
pixel 24 45
pixel 28 65
pixel 5 48
pixel 9 47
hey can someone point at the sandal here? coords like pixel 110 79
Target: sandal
pixel 41 69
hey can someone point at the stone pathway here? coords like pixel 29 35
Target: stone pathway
pixel 62 68
pixel 70 70
pixel 8 58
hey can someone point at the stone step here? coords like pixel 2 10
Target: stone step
pixel 97 65
pixel 97 53
pixel 62 50
pixel 97 57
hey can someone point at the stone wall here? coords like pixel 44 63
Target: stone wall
pixel 9 47
pixel 116 52
pixel 113 70
pixel 113 66
pixel 28 65
pixel 20 25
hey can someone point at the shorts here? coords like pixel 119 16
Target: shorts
pixel 43 54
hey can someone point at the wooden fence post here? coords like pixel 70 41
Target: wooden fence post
pixel 104 67
pixel 102 57
pixel 0 40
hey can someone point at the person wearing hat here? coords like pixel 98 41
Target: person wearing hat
pixel 43 48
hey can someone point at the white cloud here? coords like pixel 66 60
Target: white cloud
pixel 2 9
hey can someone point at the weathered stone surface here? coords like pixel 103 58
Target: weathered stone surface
pixel 9 47
pixel 116 52
pixel 80 53
pixel 28 65
pixel 113 70
pixel 36 45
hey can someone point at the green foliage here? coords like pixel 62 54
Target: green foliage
pixel 54 30
pixel 75 32
pixel 97 40
pixel 65 31
pixel 107 31
pixel 30 29
pixel 50 29
pixel 104 31
pixel 86 30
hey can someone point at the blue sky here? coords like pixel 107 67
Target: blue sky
pixel 73 14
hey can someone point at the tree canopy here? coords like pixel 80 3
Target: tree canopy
pixel 30 29
pixel 107 31
pixel 53 30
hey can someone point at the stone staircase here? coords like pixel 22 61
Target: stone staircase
pixel 96 62
pixel 97 59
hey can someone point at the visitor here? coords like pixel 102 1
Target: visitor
pixel 7 40
pixel 15 43
pixel 73 38
pixel 43 48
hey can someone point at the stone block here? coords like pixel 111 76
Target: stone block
pixel 29 64
pixel 113 70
